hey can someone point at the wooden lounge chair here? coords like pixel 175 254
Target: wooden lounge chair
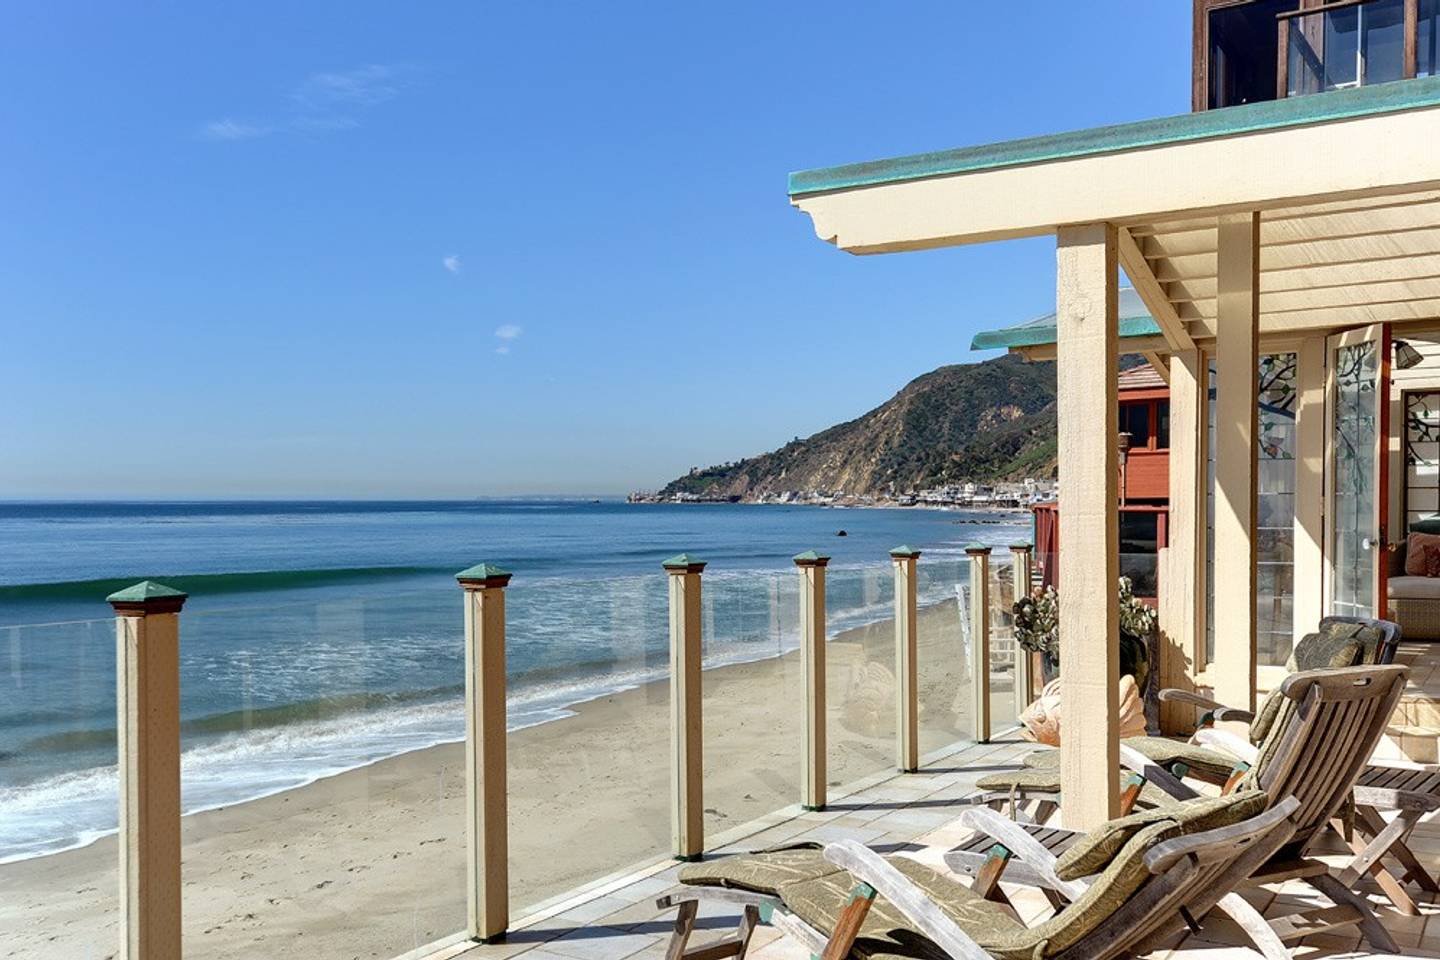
pixel 1151 877
pixel 1325 725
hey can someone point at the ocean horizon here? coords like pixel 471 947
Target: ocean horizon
pixel 322 636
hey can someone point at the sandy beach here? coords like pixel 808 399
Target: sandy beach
pixel 370 863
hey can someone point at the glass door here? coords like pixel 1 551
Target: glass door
pixel 1359 411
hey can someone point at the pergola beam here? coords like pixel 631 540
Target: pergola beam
pixel 1153 296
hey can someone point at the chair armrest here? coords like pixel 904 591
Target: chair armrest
pixel 1134 760
pixel 1172 695
pixel 1021 845
pixel 867 866
pixel 1238 747
pixel 1235 713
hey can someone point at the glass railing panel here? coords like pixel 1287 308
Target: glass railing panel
pixel 322 775
pixel 59 887
pixel 589 748
pixel 860 672
pixel 1354 45
pixel 946 655
pixel 753 699
pixel 1005 653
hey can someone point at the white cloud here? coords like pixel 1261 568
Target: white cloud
pixel 322 103
pixel 452 263
pixel 503 349
pixel 509 332
pixel 228 129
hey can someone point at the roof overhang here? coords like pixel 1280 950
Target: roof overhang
pixel 1347 183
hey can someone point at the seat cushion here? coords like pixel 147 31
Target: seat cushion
pixel 886 931
pixel 1413 588
pixel 1206 764
pixel 1339 645
pixel 762 872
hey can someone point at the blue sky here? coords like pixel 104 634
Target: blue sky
pixel 427 250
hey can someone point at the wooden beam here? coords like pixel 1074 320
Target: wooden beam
pixel 1237 361
pixel 1375 203
pixel 487 842
pixel 1299 322
pixel 1309 547
pixel 1087 304
pixel 1128 345
pixel 813 783
pixel 687 799
pixel 1137 268
pixel 907 678
pixel 147 634
pixel 1182 603
pixel 1286 232
pixel 1158 364
pixel 978 556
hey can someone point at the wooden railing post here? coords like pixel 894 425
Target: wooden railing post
pixel 812 664
pixel 687 805
pixel 1024 682
pixel 147 688
pixel 907 701
pixel 487 840
pixel 979 555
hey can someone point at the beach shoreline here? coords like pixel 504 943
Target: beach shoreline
pixel 370 862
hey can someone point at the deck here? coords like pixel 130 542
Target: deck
pixel 917 815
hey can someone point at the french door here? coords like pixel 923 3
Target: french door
pixel 1358 402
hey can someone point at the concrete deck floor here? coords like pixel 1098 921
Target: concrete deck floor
pixel 913 815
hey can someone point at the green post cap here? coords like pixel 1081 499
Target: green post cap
pixel 147 597
pixel 974 548
pixel 683 563
pixel 483 575
pixel 1021 546
pixel 811 559
pixel 904 552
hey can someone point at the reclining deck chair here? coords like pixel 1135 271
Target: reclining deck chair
pixel 1325 727
pixel 1153 876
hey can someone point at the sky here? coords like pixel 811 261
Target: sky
pixel 495 248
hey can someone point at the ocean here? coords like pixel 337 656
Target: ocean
pixel 323 636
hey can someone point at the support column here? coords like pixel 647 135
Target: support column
pixel 687 804
pixel 1182 599
pixel 812 665
pixel 979 555
pixel 147 725
pixel 1025 667
pixel 1309 551
pixel 907 702
pixel 487 832
pixel 1087 304
pixel 1237 361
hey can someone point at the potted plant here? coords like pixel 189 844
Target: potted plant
pixel 1037 628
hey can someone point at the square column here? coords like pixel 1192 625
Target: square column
pixel 1309 551
pixel 1237 359
pixel 1087 303
pixel 1182 635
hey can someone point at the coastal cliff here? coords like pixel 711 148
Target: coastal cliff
pixel 981 422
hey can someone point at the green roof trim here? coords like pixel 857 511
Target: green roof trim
pixel 146 590
pixel 1135 321
pixel 1208 124
pixel 482 571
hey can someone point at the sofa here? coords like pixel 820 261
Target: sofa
pixel 1414 601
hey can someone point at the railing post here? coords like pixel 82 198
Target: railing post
pixel 979 555
pixel 487 840
pixel 687 805
pixel 812 664
pixel 147 688
pixel 1024 682
pixel 907 701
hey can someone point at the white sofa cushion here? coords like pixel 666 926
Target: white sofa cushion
pixel 1413 588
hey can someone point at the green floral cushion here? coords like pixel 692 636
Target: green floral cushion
pixel 1043 776
pixel 1204 763
pixel 1338 645
pixel 762 872
pixel 1094 851
pixel 1265 715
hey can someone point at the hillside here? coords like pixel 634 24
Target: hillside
pixel 984 421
